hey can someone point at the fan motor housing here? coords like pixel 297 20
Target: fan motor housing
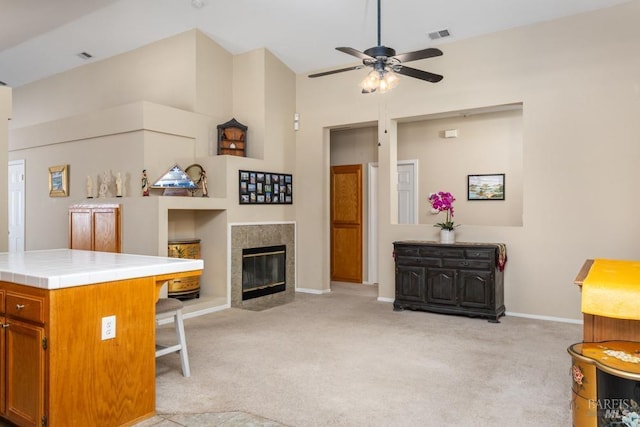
pixel 378 51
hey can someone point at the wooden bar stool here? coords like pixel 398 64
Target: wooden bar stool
pixel 173 306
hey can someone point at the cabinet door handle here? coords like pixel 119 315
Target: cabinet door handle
pixel 19 306
pixel 464 263
pixel 5 325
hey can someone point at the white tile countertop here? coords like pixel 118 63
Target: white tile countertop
pixel 64 268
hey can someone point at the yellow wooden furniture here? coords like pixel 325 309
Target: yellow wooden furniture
pixel 605 378
pixel 606 327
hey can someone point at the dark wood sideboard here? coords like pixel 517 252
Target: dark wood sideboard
pixel 458 278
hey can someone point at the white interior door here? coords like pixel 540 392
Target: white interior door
pixel 407 192
pixel 16 206
pixel 407 207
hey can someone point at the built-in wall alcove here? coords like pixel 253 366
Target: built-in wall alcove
pixel 210 227
pixel 450 146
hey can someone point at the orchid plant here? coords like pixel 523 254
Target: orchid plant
pixel 443 201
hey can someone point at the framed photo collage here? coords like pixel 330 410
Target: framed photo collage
pixel 265 188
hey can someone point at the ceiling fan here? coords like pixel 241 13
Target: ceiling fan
pixel 386 64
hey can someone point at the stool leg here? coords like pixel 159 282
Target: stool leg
pixel 184 355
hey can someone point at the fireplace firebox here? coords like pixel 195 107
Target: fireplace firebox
pixel 263 271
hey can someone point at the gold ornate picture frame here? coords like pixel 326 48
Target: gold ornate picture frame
pixel 59 181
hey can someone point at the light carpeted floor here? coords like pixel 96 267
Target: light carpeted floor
pixel 345 359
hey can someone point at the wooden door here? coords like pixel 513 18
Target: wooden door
pixel 346 223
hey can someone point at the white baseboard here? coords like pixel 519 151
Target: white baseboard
pixel 550 318
pixel 383 299
pixel 313 291
pixel 203 311
pixel 195 313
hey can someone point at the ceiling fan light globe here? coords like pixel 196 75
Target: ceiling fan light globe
pixel 391 79
pixel 371 82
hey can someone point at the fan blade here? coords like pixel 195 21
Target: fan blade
pixel 418 74
pixel 340 70
pixel 354 52
pixel 418 54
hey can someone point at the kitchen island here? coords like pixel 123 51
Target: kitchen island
pixel 77 343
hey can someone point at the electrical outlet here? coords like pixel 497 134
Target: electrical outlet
pixel 108 327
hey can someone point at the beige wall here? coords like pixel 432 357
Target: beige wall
pixel 5 116
pixel 581 100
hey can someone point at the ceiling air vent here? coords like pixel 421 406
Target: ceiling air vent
pixel 85 55
pixel 435 35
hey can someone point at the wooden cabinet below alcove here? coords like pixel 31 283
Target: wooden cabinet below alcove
pixel 95 227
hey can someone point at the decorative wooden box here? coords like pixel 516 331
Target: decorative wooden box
pixel 232 138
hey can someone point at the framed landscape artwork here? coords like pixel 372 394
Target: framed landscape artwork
pixel 485 187
pixel 58 181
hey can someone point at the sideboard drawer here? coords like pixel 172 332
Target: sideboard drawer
pixel 467 263
pixel 25 307
pixel 419 262
pixel 406 251
pixel 441 252
pixel 479 253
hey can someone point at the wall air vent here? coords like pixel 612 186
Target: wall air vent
pixel 435 35
pixel 85 55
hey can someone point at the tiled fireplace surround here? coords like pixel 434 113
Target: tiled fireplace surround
pixel 255 235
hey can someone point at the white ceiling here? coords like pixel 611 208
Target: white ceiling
pixel 39 38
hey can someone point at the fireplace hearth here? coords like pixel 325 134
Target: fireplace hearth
pixel 263 271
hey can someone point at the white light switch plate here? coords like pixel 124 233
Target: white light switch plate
pixel 108 327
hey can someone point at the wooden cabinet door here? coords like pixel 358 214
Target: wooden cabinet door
pixel 81 229
pixel 106 229
pixel 441 286
pixel 410 283
pixel 475 289
pixel 95 228
pixel 3 383
pixel 25 373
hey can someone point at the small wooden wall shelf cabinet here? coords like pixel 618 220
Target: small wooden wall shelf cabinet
pixel 95 227
pixel 460 278
pixel 232 138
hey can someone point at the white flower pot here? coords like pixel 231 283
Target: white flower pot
pixel 447 236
